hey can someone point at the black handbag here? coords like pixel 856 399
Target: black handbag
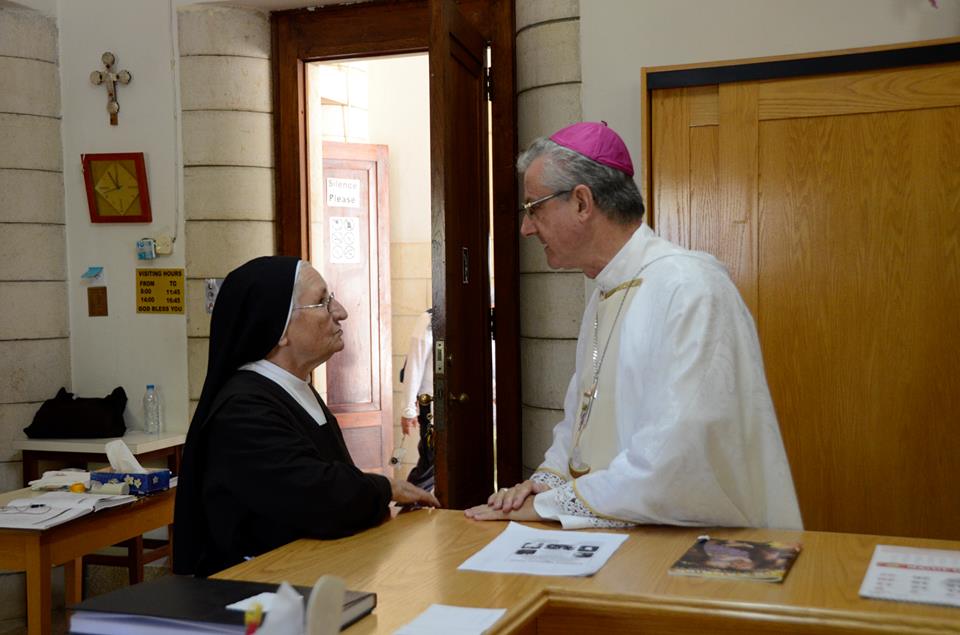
pixel 69 417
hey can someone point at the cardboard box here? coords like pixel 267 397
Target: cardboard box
pixel 154 480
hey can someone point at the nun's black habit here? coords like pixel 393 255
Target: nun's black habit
pixel 257 470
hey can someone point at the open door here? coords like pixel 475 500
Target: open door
pixel 463 410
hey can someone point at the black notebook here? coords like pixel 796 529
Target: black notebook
pixel 183 604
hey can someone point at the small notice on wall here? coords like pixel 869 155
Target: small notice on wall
pixel 343 192
pixel 160 291
pixel 344 240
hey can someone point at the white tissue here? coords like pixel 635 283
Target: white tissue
pixel 286 613
pixel 122 459
pixel 55 479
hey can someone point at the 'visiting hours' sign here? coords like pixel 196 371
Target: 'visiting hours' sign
pixel 160 291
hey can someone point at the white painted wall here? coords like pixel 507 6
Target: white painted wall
pixel 123 348
pixel 399 117
pixel 619 37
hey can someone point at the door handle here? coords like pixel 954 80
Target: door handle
pixel 463 398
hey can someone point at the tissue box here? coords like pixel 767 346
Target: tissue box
pixel 154 480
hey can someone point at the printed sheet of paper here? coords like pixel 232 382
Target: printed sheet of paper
pixel 521 549
pixel 442 619
pixel 906 574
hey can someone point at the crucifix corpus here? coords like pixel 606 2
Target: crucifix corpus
pixel 110 79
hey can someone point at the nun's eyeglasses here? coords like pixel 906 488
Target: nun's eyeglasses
pixel 323 304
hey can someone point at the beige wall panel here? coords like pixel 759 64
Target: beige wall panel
pixel 206 30
pixel 33 370
pixel 14 417
pixel 30 196
pixel 535 11
pixel 225 83
pixel 28 34
pixel 552 363
pixel 548 54
pixel 410 260
pixel 227 138
pixel 228 193
pixel 409 296
pixel 32 252
pixel 198 320
pixel 33 310
pixel 544 110
pixel 30 142
pixel 11 477
pixel 532 257
pixel 403 326
pixel 398 361
pixel 551 304
pixel 197 350
pixel 29 86
pixel 216 248
pixel 538 424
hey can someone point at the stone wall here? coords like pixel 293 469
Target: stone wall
pixel 226 104
pixel 551 302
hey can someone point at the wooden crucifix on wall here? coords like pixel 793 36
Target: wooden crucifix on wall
pixel 110 79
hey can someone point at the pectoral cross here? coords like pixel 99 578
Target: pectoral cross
pixel 110 79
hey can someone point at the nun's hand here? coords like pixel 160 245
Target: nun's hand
pixel 486 512
pixel 406 493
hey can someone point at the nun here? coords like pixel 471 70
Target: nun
pixel 264 461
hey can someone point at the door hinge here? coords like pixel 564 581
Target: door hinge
pixel 488 83
pixel 493 323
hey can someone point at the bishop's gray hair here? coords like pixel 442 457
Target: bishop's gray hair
pixel 614 192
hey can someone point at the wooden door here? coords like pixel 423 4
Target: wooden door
pixel 461 329
pixel 834 200
pixel 351 246
pixel 386 28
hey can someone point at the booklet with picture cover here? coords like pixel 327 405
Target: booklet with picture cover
pixel 742 559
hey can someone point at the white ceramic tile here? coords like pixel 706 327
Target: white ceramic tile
pixel 33 310
pixel 534 11
pixel 214 248
pixel 29 86
pixel 212 30
pixel 31 196
pixel 33 370
pixel 225 83
pixel 227 138
pixel 548 54
pixel 546 368
pixel 228 193
pixel 32 252
pixel 551 304
pixel 410 260
pixel 30 142
pixel 543 110
pixel 409 296
pixel 25 33
pixel 402 326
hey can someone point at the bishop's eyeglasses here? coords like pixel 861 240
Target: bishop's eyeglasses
pixel 530 207
pixel 325 303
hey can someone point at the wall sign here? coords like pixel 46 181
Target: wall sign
pixel 344 240
pixel 160 291
pixel 343 192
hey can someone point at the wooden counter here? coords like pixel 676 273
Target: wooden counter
pixel 411 562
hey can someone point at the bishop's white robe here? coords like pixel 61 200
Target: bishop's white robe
pixel 682 430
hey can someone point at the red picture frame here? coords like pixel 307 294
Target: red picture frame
pixel 116 185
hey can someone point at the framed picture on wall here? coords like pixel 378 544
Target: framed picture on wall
pixel 116 187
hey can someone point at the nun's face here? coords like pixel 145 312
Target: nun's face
pixel 314 332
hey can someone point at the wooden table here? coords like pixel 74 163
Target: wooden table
pixel 36 552
pixel 80 452
pixel 411 562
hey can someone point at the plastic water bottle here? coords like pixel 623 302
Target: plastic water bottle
pixel 151 410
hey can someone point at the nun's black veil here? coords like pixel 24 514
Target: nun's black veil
pixel 248 319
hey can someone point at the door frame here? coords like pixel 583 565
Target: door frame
pixel 391 28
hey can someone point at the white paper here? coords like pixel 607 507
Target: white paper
pixel 442 619
pixel 345 240
pixel 343 192
pixel 286 613
pixel 265 600
pixel 121 458
pixel 908 574
pixel 54 508
pixel 520 549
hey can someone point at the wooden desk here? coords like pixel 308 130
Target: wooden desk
pixel 80 452
pixel 411 562
pixel 36 552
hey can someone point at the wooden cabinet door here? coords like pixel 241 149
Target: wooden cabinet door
pixel 834 200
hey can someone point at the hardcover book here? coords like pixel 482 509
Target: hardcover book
pixel 743 559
